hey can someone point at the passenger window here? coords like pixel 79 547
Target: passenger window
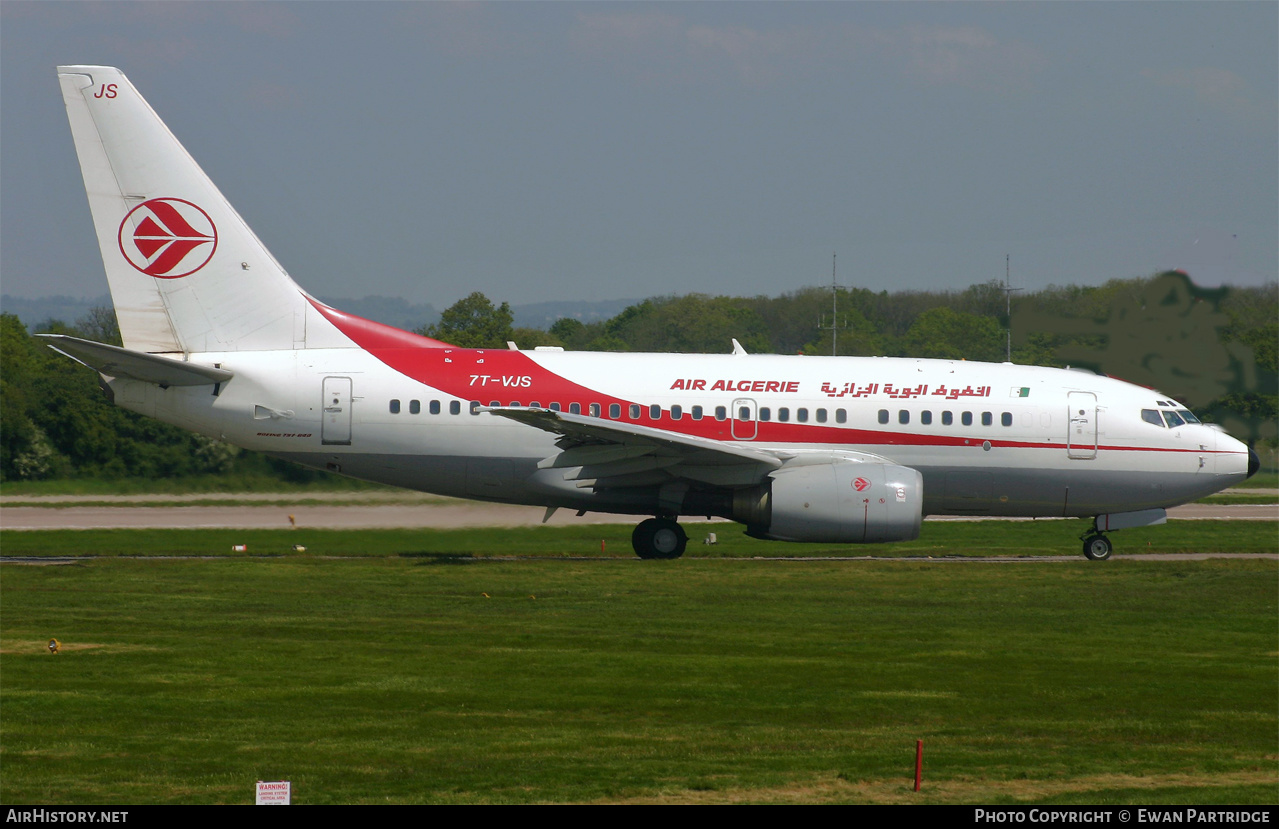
pixel 614 410
pixel 721 413
pixel 493 403
pixel 967 418
pixel 841 416
pixel 655 411
pixel 744 413
pixel 903 417
pixel 765 414
pixel 987 419
pixel 635 411
pixel 415 407
pixel 677 412
pixel 801 415
pixel 926 417
pixel 947 418
pixel 435 407
pixel 395 407
pixel 555 407
pixel 1006 418
pixel 535 405
pixel 697 413
pixel 821 415
pixel 594 409
pixel 455 407
pixel 574 408
pixel 783 414
pixel 475 407
pixel 883 415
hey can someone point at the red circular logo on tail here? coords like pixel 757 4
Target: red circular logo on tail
pixel 168 238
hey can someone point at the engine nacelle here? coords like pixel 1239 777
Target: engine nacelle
pixel 843 502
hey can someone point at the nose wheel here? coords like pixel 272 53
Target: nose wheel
pixel 1097 547
pixel 659 538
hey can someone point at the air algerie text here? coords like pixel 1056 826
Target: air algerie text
pixel 738 385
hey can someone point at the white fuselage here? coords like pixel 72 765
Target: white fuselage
pixel 992 439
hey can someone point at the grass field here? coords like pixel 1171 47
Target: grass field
pixel 330 484
pixel 186 485
pixel 401 671
pixel 939 538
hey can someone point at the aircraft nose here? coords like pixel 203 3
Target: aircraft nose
pixel 1254 462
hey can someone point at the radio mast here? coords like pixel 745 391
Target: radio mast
pixel 1008 306
pixel 834 310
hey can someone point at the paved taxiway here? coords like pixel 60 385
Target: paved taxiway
pixel 365 511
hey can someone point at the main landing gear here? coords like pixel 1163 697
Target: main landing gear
pixel 1097 547
pixel 659 538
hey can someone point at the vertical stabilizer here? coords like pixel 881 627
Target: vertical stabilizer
pixel 186 273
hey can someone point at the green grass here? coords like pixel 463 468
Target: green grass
pixel 939 538
pixel 256 483
pixel 1262 480
pixel 396 679
pixel 1229 498
pixel 375 497
pixel 247 482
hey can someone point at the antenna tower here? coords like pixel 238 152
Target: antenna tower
pixel 1008 305
pixel 834 310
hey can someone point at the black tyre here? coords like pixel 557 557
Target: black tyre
pixel 659 538
pixel 1097 548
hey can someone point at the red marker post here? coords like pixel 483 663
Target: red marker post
pixel 919 762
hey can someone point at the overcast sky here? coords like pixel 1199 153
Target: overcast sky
pixel 540 151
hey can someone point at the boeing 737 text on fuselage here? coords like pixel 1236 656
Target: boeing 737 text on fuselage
pixel 219 339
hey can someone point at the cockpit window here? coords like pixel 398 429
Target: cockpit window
pixel 1187 416
pixel 1173 419
pixel 1152 417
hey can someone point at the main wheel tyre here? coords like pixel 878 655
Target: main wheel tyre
pixel 659 538
pixel 1097 548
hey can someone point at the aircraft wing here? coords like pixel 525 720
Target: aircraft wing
pixel 611 453
pixel 114 361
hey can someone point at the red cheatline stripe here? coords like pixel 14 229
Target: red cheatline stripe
pixel 427 365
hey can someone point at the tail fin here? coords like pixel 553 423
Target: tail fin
pixel 186 273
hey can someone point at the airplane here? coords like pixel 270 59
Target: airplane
pixel 220 340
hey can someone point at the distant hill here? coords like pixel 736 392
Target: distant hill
pixel 388 310
pixel 32 312
pixel 383 309
pixel 543 314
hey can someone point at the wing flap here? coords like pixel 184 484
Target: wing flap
pixel 609 453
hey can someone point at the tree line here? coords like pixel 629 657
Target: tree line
pixel 1214 350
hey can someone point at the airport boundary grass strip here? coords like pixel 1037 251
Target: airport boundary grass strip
pixel 261 483
pixel 414 679
pixel 938 539
pixel 232 483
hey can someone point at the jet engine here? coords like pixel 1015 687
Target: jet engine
pixel 844 502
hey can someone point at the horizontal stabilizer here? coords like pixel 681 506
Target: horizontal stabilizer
pixel 114 361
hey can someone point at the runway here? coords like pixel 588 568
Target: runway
pixel 376 511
